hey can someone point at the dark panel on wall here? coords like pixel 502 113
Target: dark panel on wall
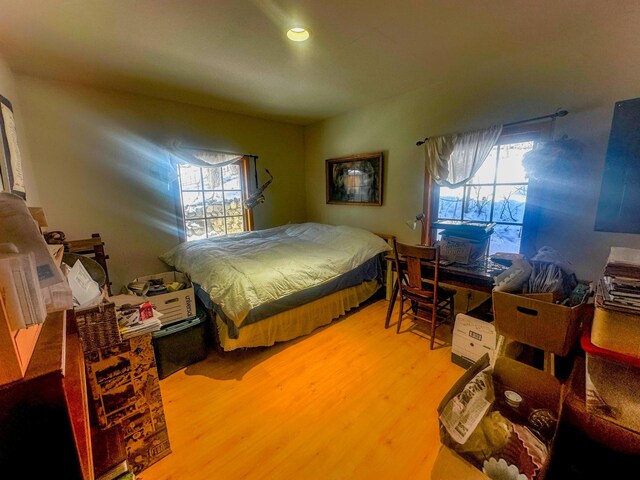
pixel 619 204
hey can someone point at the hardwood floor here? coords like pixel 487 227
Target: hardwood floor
pixel 350 401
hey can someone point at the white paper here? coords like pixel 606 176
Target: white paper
pixel 14 151
pixel 86 290
pixel 463 413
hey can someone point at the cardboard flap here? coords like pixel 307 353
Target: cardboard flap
pixel 450 465
pixel 539 387
pixel 464 379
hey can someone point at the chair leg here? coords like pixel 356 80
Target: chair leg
pixel 434 321
pixel 452 313
pixel 400 307
pixel 392 301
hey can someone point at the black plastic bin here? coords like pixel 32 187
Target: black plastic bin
pixel 180 344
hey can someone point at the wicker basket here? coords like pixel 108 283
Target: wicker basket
pixel 98 327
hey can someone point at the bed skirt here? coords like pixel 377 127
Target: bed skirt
pixel 298 321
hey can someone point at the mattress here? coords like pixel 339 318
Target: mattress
pixel 253 275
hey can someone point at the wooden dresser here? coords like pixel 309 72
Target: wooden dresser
pixel 44 416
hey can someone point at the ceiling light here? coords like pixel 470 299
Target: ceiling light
pixel 298 34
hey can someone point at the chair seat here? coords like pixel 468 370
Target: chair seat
pixel 444 294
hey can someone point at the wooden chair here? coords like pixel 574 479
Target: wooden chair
pixel 428 301
pixel 92 247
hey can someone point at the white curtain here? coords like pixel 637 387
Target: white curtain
pixel 452 160
pixel 201 157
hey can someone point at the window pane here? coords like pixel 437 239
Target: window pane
pixel 190 177
pixel 510 169
pixel 195 229
pixel 215 227
pixel 510 203
pixel 506 239
pixel 487 171
pixel 478 203
pixel 212 178
pixel 192 204
pixel 231 177
pixel 213 204
pixel 211 200
pixel 233 203
pixel 235 224
pixel 450 206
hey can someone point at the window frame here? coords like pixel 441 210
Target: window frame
pixel 247 214
pixel 535 132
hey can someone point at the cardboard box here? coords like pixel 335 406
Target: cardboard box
pixel 472 338
pixel 174 306
pixel 541 324
pixel 537 389
pixel 612 381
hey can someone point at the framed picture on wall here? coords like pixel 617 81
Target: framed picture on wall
pixel 10 161
pixel 354 180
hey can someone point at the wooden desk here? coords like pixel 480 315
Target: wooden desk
pixel 475 277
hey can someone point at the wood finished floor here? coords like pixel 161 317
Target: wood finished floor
pixel 350 401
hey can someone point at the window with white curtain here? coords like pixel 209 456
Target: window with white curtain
pixel 496 193
pixel 212 200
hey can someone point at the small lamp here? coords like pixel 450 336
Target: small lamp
pixel 412 224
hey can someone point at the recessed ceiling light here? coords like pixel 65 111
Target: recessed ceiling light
pixel 298 34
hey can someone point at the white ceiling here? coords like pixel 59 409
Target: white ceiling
pixel 233 54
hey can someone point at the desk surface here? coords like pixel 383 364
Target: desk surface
pixel 477 276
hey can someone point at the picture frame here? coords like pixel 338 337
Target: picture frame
pixel 10 161
pixel 355 180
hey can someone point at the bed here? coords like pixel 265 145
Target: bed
pixel 273 285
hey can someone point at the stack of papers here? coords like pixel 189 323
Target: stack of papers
pixel 619 288
pixel 131 323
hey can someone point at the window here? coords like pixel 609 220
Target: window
pixel 211 200
pixel 497 193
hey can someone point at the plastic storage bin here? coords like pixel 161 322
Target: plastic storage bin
pixel 180 344
pixel 612 381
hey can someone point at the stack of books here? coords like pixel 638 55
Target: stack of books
pixel 619 287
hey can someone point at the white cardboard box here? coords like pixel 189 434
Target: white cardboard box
pixel 174 306
pixel 472 338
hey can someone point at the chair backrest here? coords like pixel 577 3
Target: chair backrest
pixel 411 256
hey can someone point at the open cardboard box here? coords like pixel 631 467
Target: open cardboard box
pixel 174 306
pixel 534 320
pixel 537 389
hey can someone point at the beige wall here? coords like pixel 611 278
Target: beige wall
pixel 8 90
pixel 99 166
pixel 586 85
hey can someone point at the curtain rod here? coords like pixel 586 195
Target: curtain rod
pixel 178 145
pixel 559 113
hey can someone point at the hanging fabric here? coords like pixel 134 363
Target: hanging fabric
pixel 200 157
pixel 452 160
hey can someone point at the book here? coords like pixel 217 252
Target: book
pixel 624 256
pixel 623 262
pixel 604 298
pixel 615 287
